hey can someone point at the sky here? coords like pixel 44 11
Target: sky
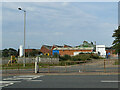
pixel 58 23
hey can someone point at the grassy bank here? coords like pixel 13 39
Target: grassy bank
pixel 41 65
pixel 117 62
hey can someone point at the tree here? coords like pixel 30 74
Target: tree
pixel 116 42
pixel 87 44
pixel 9 52
pixel 5 53
pixel 34 53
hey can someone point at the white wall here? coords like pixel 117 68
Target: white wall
pixel 21 51
pixel 101 49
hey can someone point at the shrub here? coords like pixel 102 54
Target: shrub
pixel 81 57
pixel 65 57
pixel 94 56
pixel 56 55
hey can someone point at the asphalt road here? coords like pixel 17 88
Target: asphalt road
pixel 61 81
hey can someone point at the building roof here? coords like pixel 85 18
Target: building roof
pixel 58 46
pixel 67 45
pixel 48 47
pixel 74 48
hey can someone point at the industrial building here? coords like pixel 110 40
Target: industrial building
pixel 72 51
pixel 65 50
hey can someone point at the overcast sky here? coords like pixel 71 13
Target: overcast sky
pixel 58 23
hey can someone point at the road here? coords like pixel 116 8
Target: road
pixel 60 81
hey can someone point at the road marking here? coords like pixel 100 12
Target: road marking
pixel 35 80
pixel 23 77
pixel 110 81
pixel 17 78
pixel 7 83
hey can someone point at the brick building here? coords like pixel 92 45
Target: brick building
pixel 46 49
pixel 72 50
pixel 111 51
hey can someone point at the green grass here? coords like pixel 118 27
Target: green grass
pixel 18 66
pixel 117 62
pixel 41 65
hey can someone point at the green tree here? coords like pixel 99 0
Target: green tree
pixel 34 53
pixel 116 42
pixel 5 53
pixel 9 52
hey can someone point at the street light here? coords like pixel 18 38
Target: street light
pixel 24 33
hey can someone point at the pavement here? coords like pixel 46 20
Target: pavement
pixel 60 81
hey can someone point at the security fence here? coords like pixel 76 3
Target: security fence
pixel 100 66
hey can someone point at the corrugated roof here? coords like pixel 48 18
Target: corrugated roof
pixel 74 48
pixel 48 47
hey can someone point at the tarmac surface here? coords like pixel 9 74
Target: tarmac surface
pixel 60 81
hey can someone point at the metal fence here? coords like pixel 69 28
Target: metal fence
pixel 100 66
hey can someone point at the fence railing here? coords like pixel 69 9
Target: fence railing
pixel 101 66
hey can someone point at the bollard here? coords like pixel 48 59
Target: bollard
pixel 36 65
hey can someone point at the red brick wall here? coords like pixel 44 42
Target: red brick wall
pixel 111 51
pixel 28 50
pixel 45 50
pixel 71 52
pixel 52 49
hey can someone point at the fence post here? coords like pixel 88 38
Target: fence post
pixel 104 67
pixel 18 68
pixel 48 68
pixel 6 69
pixel 65 67
pixel 84 66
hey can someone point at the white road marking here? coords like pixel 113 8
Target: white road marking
pixel 24 77
pixel 110 81
pixel 7 83
pixel 35 80
pixel 16 78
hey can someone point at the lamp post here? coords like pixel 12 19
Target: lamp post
pixel 24 32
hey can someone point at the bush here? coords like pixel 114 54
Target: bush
pixel 65 57
pixel 94 56
pixel 81 57
pixel 56 55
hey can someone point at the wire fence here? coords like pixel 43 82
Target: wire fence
pixel 101 66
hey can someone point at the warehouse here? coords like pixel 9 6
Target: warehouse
pixel 72 51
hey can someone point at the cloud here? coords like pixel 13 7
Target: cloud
pixel 56 23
